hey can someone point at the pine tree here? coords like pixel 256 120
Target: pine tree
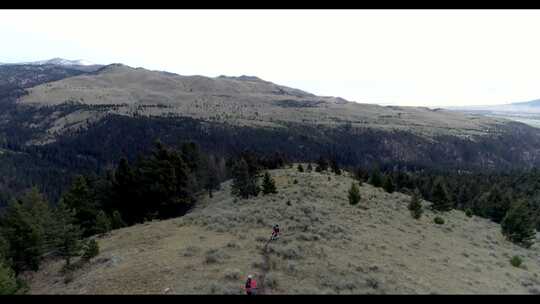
pixel 79 198
pixel 376 179
pixel 268 184
pixel 518 224
pixel 388 184
pixel 68 233
pixel 354 194
pixel 440 197
pixel 91 250
pixel 335 167
pixel 38 208
pixel 309 167
pixel 212 178
pixel 25 237
pixel 498 204
pixel 103 223
pixel 300 168
pixel 8 282
pixel 415 206
pixel 116 220
pixel 244 184
pixel 322 165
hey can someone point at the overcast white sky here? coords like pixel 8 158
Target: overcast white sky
pixel 425 57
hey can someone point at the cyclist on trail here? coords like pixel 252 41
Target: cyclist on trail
pixel 275 232
pixel 251 286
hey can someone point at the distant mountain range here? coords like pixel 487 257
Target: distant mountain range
pixel 54 61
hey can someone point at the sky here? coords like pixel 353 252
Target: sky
pixel 430 58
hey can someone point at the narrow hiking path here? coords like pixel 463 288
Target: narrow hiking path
pixel 265 267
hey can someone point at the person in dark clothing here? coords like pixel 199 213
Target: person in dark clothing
pixel 275 232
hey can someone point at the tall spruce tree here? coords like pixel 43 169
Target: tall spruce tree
pixel 376 179
pixel 79 198
pixel 244 184
pixel 25 236
pixel 335 166
pixel 440 197
pixel 268 184
pixel 388 184
pixel 8 281
pixel 415 206
pixel 518 224
pixel 68 233
pixel 322 164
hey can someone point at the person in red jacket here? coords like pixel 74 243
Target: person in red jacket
pixel 251 286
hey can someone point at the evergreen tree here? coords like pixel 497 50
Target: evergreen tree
pixel 212 178
pixel 268 184
pixel 116 220
pixel 309 167
pixel 91 250
pixel 335 167
pixel 518 224
pixel 354 194
pixel 300 168
pixel 103 223
pixel 244 184
pixel 322 164
pixel 79 198
pixel 440 197
pixel 361 175
pixel 415 206
pixel 498 204
pixel 8 282
pixel 376 179
pixel 25 237
pixel 68 233
pixel 38 209
pixel 388 184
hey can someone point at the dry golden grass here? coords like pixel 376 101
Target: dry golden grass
pixel 327 246
pixel 239 102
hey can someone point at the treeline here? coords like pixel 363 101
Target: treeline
pixel 164 184
pixel 511 199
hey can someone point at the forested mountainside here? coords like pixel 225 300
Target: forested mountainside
pixel 58 121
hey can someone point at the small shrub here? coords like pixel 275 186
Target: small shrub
pixel 373 283
pixel 214 256
pixel 439 220
pixel 300 168
pixel 232 244
pixel 468 212
pixel 190 251
pixel 270 281
pixel 295 181
pixel 68 277
pixel 354 194
pixel 91 250
pixel 516 261
pixel 232 274
pixel 329 178
pixel 291 266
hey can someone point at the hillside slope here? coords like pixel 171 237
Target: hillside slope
pixel 327 246
pixel 241 101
